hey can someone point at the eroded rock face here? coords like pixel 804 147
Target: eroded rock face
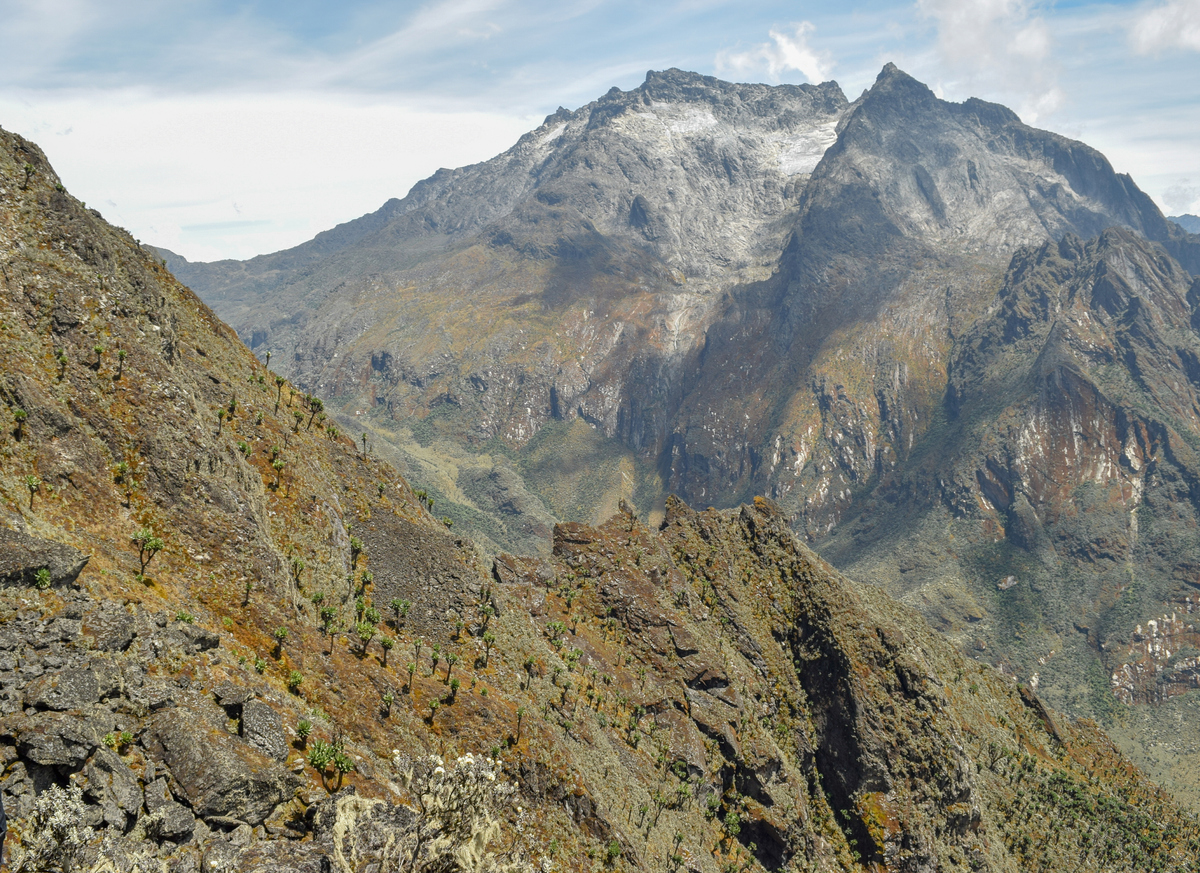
pixel 219 774
pixel 22 556
pixel 55 739
pixel 262 727
pixel 115 786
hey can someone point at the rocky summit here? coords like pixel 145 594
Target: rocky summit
pixel 232 638
pixel 957 351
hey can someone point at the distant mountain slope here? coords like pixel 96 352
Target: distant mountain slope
pixel 578 276
pixel 237 637
pixel 723 290
pixel 1190 223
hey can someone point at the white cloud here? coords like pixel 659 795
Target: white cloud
pixel 997 46
pixel 219 176
pixel 784 53
pixel 1171 25
pixel 1181 197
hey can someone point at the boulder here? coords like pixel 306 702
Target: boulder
pixel 262 727
pixel 230 695
pixel 158 794
pixel 66 689
pixel 218 774
pixel 111 628
pixel 22 555
pixel 171 821
pixel 114 786
pixel 53 738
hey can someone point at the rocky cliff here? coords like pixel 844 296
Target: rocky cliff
pixel 237 637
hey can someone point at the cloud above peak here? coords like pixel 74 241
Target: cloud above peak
pixel 1001 46
pixel 785 53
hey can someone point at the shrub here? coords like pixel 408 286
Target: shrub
pixel 52 836
pixel 149 545
pixel 295 680
pixel 458 807
pixel 365 632
pixel 34 484
pixel 42 578
pixel 320 755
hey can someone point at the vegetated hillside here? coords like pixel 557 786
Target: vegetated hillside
pixel 848 349
pixel 186 541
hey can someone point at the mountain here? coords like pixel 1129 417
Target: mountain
pixel 956 350
pixel 1190 223
pixel 197 671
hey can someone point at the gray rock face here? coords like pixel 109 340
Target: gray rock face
pixel 229 694
pixel 262 727
pixel 219 774
pixel 1190 223
pixel 158 794
pixel 111 628
pixel 52 738
pixel 646 164
pixel 67 689
pixel 114 786
pixel 22 555
pixel 683 241
pixel 171 821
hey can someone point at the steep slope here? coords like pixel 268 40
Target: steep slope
pixel 705 695
pixel 668 302
pixel 540 286
pixel 636 264
pixel 1064 465
pixel 907 221
pixel 1190 223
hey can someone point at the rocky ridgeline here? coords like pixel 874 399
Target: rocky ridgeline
pixel 712 693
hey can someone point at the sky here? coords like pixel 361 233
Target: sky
pixel 224 129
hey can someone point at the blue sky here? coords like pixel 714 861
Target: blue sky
pixel 228 129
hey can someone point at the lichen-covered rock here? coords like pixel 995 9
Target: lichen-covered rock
pixel 170 821
pixel 218 774
pixel 64 690
pixel 262 727
pixel 110 627
pixel 53 738
pixel 22 555
pixel 111 783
